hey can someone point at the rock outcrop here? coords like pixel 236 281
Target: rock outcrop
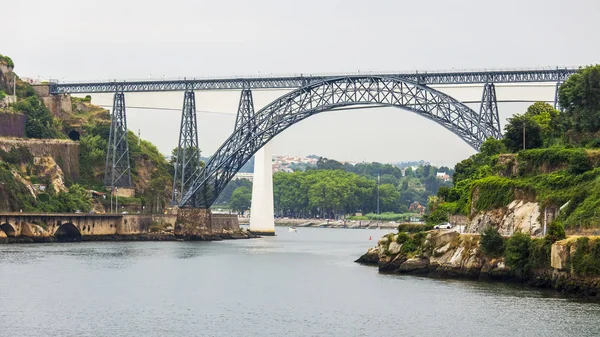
pixel 448 254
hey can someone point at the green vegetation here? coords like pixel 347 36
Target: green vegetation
pixel 586 259
pixel 387 216
pixel 559 166
pixel 151 174
pixel 333 189
pixel 7 60
pixel 516 253
pixel 492 243
pixel 414 228
pixel 40 123
pixel 240 199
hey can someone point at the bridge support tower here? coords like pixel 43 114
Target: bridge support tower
pixel 118 169
pixel 187 166
pixel 556 105
pixel 262 212
pixel 488 113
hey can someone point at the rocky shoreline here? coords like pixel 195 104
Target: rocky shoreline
pixel 458 256
pixel 132 237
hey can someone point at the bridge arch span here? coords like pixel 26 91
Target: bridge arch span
pixel 67 231
pixel 330 94
pixel 8 229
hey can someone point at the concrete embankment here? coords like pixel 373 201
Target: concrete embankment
pixel 448 254
pixel 186 225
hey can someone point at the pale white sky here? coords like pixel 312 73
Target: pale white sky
pixel 81 40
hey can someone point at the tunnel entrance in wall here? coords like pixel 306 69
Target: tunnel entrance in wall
pixel 74 135
pixel 68 232
pixel 8 229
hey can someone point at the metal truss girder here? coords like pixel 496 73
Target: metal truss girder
pixel 327 95
pixel 288 82
pixel 118 169
pixel 188 153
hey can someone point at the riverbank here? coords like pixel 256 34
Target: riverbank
pixel 320 223
pixel 239 235
pixel 447 254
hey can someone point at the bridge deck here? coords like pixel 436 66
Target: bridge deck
pixel 290 82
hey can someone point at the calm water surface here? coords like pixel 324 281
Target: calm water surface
pixel 294 284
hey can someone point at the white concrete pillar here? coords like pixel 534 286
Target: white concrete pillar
pixel 262 211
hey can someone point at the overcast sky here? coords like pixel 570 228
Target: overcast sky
pixel 88 40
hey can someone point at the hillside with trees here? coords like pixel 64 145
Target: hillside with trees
pixel 19 170
pixel 546 156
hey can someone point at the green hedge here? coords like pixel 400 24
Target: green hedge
pixel 586 259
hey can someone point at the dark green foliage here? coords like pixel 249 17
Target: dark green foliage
pixel 513 133
pixel 492 243
pixel 556 232
pixel 40 123
pixel 402 238
pixel 77 198
pixel 240 199
pixel 414 228
pixel 13 194
pixel 7 60
pixel 492 147
pixel 493 192
pixel 414 244
pixel 575 159
pixel 225 195
pixel 580 97
pixel 586 259
pixel 24 90
pixel 17 155
pixel 539 254
pixel 516 253
pixel 92 152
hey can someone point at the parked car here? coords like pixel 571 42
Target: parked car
pixel 443 225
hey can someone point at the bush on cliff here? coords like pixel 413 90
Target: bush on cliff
pixel 586 259
pixel 40 123
pixel 414 244
pixel 516 253
pixel 492 243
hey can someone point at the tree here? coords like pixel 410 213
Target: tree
pixel 517 253
pixel 492 243
pixel 463 170
pixel 546 117
pixel 492 146
pixel 240 199
pixel 388 198
pixel 329 164
pixel 39 123
pixel 513 135
pixel 580 97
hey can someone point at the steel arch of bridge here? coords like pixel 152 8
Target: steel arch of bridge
pixel 331 94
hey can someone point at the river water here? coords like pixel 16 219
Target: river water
pixel 294 284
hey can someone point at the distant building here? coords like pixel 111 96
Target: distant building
pixel 442 176
pixel 242 175
pixel 416 207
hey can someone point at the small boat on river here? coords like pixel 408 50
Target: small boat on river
pixel 293 229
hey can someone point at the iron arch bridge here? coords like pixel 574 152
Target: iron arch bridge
pixel 255 130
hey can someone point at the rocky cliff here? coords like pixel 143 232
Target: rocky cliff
pixel 65 153
pixel 453 255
